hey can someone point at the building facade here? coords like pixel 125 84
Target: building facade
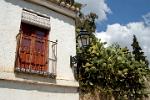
pixel 37 38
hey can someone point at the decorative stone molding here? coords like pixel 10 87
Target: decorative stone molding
pixel 35 19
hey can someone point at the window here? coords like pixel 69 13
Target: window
pixel 33 46
pixel 32 49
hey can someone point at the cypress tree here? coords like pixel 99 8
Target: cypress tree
pixel 137 51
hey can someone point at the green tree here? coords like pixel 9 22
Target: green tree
pixel 112 71
pixel 86 21
pixel 137 51
pixel 109 71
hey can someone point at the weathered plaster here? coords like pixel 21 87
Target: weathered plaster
pixel 10 90
pixel 62 29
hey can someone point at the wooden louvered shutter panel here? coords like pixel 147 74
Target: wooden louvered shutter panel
pixel 40 51
pixel 33 48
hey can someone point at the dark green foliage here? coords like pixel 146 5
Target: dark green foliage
pixel 137 51
pixel 87 22
pixel 112 71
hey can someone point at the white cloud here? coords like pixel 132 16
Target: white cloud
pixel 97 6
pixel 147 18
pixel 123 34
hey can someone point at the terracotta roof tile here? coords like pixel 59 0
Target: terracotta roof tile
pixel 74 7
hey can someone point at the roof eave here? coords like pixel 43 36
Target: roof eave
pixel 55 7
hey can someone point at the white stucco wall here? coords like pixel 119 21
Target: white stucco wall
pixel 62 29
pixel 16 91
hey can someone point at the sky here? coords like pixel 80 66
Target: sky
pixel 120 19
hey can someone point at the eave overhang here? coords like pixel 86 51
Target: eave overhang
pixel 55 7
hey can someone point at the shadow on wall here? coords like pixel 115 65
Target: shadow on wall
pixel 36 87
pixel 40 9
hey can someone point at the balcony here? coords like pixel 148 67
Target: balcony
pixel 36 55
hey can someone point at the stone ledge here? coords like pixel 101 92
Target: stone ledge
pixel 37 80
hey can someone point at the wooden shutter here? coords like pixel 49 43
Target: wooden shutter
pixel 39 58
pixel 33 48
